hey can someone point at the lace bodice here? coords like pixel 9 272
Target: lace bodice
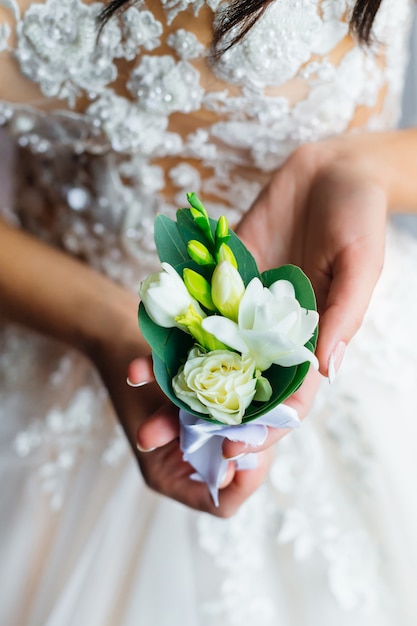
pixel 108 131
pixel 114 128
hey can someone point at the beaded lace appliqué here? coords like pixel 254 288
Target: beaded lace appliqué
pixel 57 47
pixel 103 168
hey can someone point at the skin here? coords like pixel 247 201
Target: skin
pixel 325 210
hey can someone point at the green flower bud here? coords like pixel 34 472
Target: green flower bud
pixel 191 321
pixel 197 207
pixel 227 289
pixel 200 216
pixel 263 391
pixel 222 230
pixel 225 254
pixel 197 216
pixel 199 288
pixel 199 253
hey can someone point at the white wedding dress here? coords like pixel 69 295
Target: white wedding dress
pixel 107 134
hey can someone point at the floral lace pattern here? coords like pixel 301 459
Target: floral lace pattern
pixel 266 96
pixel 70 419
pixel 304 510
pixel 111 155
pixel 318 507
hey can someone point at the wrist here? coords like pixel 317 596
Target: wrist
pixel 110 328
pixel 386 160
pixel 57 295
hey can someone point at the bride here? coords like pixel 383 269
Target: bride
pixel 284 122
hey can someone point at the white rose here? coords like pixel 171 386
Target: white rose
pixel 272 327
pixel 165 297
pixel 218 383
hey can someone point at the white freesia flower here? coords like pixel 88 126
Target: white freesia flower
pixel 272 327
pixel 227 289
pixel 220 383
pixel 165 297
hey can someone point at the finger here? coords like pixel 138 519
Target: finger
pixel 234 449
pixel 231 497
pixel 165 472
pixel 303 398
pixel 159 429
pixel 344 258
pixel 356 273
pixel 244 484
pixel 301 401
pixel 229 475
pixel 140 372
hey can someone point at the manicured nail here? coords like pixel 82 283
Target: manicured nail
pixel 141 384
pixel 139 447
pixel 234 458
pixel 335 361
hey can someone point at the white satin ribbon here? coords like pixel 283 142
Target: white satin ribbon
pixel 201 442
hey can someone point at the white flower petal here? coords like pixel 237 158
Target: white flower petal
pixel 165 296
pixel 282 288
pixel 297 356
pixel 227 289
pixel 280 315
pixel 253 294
pixel 221 381
pixel 225 330
pixel 267 347
pixel 306 324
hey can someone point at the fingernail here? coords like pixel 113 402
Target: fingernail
pixel 233 458
pixel 143 382
pixel 335 361
pixel 139 447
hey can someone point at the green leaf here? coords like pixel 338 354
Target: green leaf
pixel 164 381
pixel 204 270
pixel 189 230
pixel 303 288
pixel 156 336
pixel 196 203
pixel 298 379
pixel 281 379
pixel 171 248
pixel 166 367
pixel 246 264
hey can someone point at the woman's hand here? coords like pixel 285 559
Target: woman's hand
pixel 151 424
pixel 158 429
pixel 90 313
pixel 325 210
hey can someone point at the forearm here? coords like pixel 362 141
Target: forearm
pixel 48 291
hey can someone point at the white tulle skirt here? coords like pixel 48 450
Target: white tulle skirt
pixel 329 539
